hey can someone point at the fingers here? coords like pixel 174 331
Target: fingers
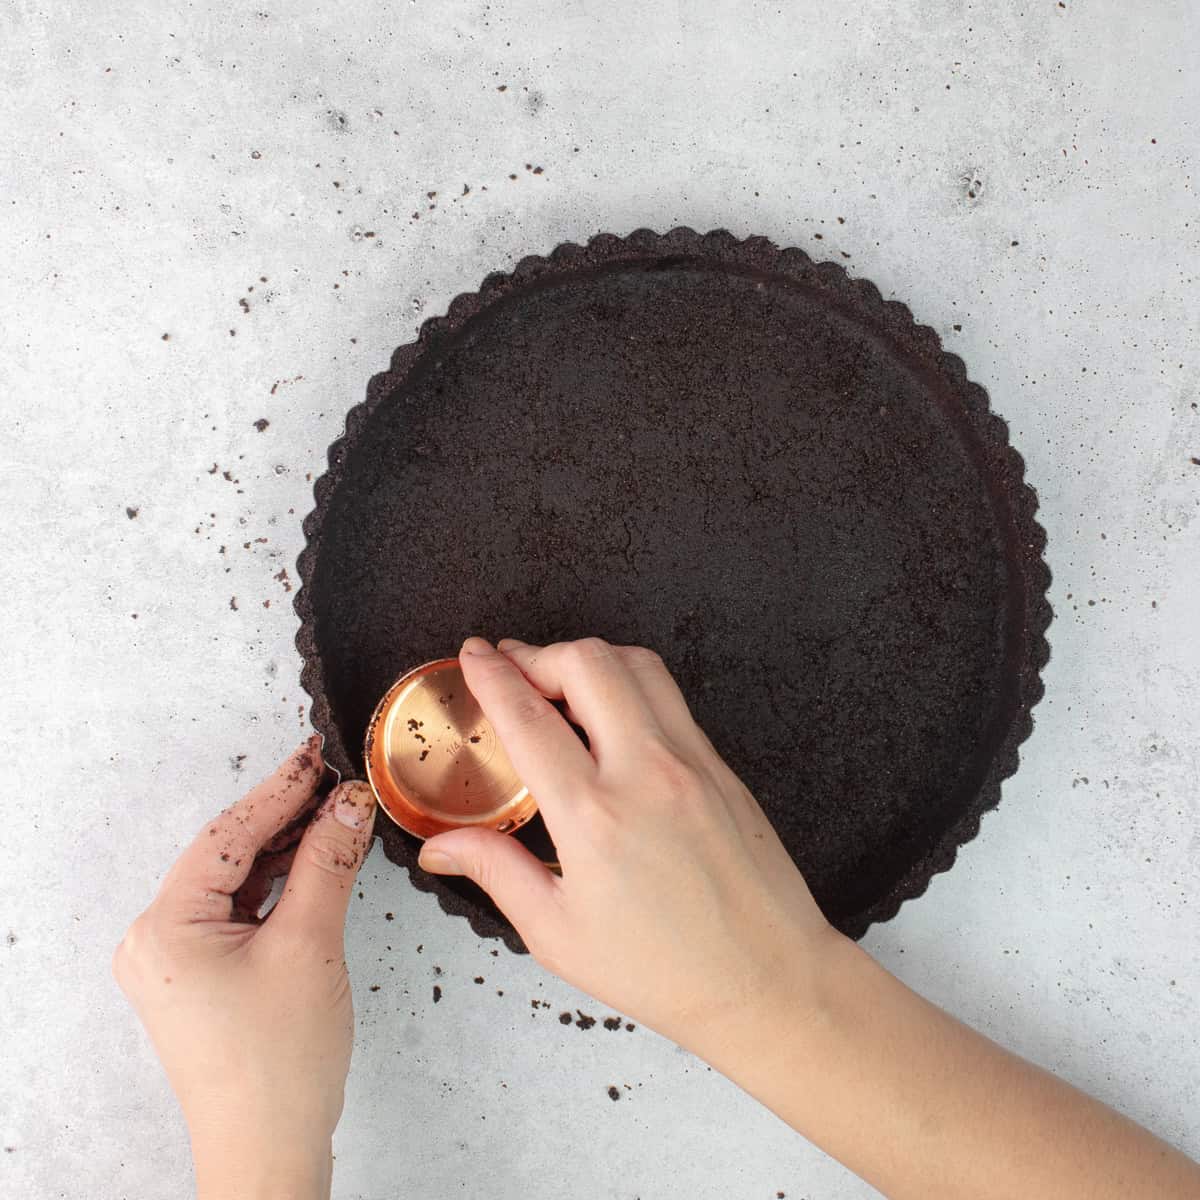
pixel 616 693
pixel 594 680
pixel 545 752
pixel 219 860
pixel 318 890
pixel 523 889
pixel 663 695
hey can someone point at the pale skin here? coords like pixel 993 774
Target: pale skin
pixel 677 904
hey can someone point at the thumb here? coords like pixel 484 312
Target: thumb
pixel 524 891
pixel 320 883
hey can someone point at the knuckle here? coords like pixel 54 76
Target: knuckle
pixel 236 851
pixel 228 836
pixel 586 651
pixel 136 936
pixel 463 845
pixel 490 666
pixel 132 950
pixel 529 709
pixel 331 854
pixel 117 964
pixel 479 873
pixel 641 658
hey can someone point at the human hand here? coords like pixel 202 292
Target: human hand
pixel 677 902
pixel 679 905
pixel 253 1021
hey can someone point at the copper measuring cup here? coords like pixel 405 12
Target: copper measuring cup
pixel 434 760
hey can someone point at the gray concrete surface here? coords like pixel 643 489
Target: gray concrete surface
pixel 1024 175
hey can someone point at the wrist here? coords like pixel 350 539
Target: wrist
pixel 249 1167
pixel 792 1011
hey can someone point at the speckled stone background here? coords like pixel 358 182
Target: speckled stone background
pixel 220 213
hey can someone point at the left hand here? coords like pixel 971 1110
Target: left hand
pixel 253 1021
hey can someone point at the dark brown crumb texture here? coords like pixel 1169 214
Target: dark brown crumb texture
pixel 742 458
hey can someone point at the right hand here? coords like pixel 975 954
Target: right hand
pixel 677 903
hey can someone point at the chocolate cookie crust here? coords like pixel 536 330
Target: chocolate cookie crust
pixel 742 458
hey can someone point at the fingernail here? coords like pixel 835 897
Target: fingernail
pixel 438 862
pixel 353 804
pixel 504 645
pixel 477 647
